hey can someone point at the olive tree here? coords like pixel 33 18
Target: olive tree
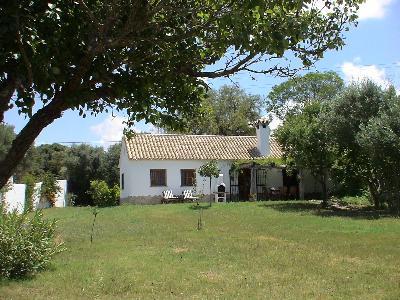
pixel 307 145
pixel 380 140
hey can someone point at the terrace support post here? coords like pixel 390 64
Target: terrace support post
pixel 253 184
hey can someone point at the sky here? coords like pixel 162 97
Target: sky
pixel 372 51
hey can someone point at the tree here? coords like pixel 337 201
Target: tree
pixel 147 57
pixel 51 158
pixel 380 141
pixel 209 170
pixel 110 168
pixel 291 96
pixel 102 194
pixel 226 111
pixel 306 144
pixel 7 135
pixel 347 116
pixel 28 164
pixel 84 164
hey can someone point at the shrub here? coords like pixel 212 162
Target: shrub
pixel 3 191
pixel 71 199
pixel 30 191
pixel 49 189
pixel 102 195
pixel 26 244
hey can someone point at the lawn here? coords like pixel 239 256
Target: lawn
pixel 245 250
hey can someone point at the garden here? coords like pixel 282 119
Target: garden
pixel 242 250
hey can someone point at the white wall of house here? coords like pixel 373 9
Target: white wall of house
pixel 312 186
pixel 137 177
pixel 274 178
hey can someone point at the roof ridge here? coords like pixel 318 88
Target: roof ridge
pixel 196 135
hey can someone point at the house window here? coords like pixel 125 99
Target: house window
pixel 122 181
pixel 188 177
pixel 158 177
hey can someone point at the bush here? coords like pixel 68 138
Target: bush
pixel 50 189
pixel 102 195
pixel 71 199
pixel 30 191
pixel 26 244
pixel 3 191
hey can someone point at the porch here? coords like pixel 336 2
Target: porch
pixel 254 182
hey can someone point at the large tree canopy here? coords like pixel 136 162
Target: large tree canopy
pixel 291 96
pixel 355 136
pixel 306 144
pixel 147 57
pixel 380 141
pixel 365 138
pixel 227 111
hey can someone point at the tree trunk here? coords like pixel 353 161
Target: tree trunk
pixel 324 190
pixel 324 195
pixel 375 195
pixel 7 89
pixel 27 136
pixel 210 194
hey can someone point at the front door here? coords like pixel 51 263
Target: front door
pixel 244 181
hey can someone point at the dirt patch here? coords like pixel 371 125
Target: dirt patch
pixel 180 250
pixel 355 261
pixel 268 238
pixel 211 276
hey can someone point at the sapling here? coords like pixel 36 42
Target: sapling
pixel 199 220
pixel 209 170
pixel 95 211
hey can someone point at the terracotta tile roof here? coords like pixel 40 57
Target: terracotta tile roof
pixel 195 147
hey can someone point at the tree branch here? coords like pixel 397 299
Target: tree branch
pixel 241 65
pixel 41 119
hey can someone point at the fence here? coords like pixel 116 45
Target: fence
pixel 14 197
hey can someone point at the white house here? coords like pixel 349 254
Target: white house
pixel 153 163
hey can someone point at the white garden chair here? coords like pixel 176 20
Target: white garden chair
pixel 168 196
pixel 188 195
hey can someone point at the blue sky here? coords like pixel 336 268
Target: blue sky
pixel 372 51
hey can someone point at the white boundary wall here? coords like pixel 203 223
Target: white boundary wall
pixel 14 198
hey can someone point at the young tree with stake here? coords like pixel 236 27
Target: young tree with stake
pixel 209 170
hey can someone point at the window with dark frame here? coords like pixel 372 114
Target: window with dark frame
pixel 122 181
pixel 188 177
pixel 158 177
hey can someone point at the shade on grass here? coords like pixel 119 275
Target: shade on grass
pixel 245 250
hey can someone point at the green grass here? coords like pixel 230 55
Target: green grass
pixel 254 250
pixel 358 201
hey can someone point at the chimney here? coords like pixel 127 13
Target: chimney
pixel 263 132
